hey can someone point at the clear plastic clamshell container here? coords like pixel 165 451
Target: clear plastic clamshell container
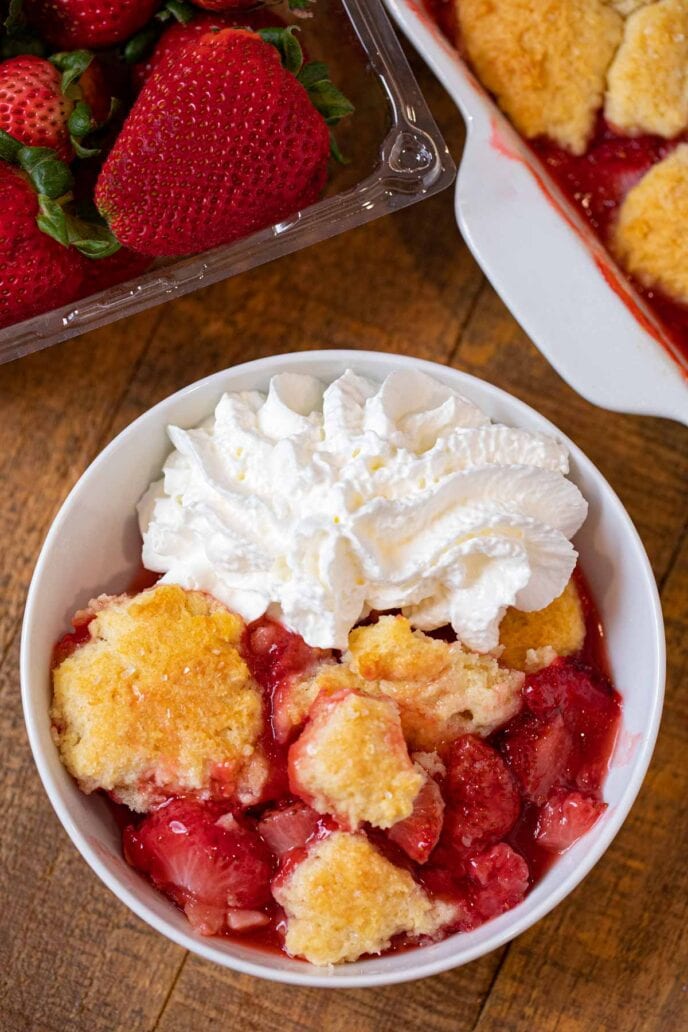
pixel 396 157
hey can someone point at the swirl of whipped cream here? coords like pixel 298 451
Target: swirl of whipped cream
pixel 317 505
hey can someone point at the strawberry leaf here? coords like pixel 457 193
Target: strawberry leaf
pixel 312 73
pixel 81 151
pixel 140 46
pixel 329 101
pixel 179 10
pixel 14 22
pixel 48 174
pixel 300 6
pixel 81 120
pixel 287 46
pixel 92 239
pixel 16 37
pixel 9 147
pixel 72 64
pixel 335 152
pixel 52 220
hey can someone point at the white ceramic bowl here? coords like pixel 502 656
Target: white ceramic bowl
pixel 94 546
pixel 547 265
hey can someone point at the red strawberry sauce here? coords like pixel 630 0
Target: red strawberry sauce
pixel 540 775
pixel 596 182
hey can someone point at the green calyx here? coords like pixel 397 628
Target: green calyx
pixel 72 64
pixel 53 181
pixel 92 239
pixel 314 77
pixel 16 38
pixel 48 174
pixel 140 46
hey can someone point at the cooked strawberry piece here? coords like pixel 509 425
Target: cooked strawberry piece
pixel 483 800
pixel 590 710
pixel 565 817
pixel 583 697
pixel 500 877
pixel 202 858
pixel 418 834
pixel 611 166
pixel 288 826
pixel 275 654
pixel 538 752
pixel 205 918
pixel 245 920
pixel 69 643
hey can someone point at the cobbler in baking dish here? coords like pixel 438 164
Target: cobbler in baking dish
pixel 366 704
pixel 600 89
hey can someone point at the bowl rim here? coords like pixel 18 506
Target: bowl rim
pixel 517 923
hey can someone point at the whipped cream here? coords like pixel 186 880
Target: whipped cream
pixel 318 504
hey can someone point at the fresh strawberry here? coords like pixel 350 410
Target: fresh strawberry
pixel 202 858
pixel 565 817
pixel 418 834
pixel 288 826
pixel 220 143
pixel 33 108
pixel 491 882
pixel 36 272
pixel 483 800
pixel 178 34
pixel 538 752
pixel 121 266
pixel 224 5
pixel 500 879
pixel 73 24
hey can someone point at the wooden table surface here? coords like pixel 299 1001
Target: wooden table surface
pixel 72 957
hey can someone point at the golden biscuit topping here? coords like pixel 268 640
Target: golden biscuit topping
pixel 649 237
pixel 160 701
pixel 351 761
pixel 556 630
pixel 345 899
pixel 442 691
pixel 647 90
pixel 545 60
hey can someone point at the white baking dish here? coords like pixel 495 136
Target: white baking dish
pixel 549 268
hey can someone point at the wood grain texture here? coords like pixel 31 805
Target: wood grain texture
pixel 612 956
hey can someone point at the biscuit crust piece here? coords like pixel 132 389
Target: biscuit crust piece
pixel 533 640
pixel 647 87
pixel 627 7
pixel 345 899
pixel 649 237
pixel 546 61
pixel 159 701
pixel 441 690
pixel 351 761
